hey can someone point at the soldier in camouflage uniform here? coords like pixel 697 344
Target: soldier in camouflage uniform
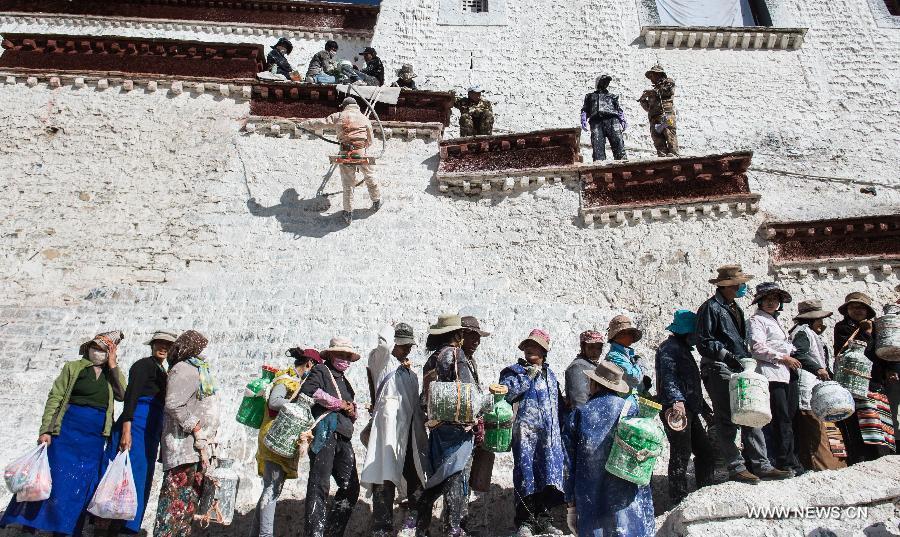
pixel 660 106
pixel 604 118
pixel 477 116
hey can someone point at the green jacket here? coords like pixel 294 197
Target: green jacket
pixel 61 391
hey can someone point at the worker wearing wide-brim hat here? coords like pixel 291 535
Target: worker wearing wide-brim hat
pixel 723 341
pixel 476 115
pixel 405 77
pixel 622 334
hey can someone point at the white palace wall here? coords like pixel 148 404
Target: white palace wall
pixel 131 210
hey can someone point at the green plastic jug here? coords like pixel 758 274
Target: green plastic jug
pixel 637 444
pixel 498 423
pixel 253 406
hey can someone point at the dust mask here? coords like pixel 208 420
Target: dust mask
pixel 340 364
pixel 96 356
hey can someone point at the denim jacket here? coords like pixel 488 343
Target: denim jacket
pixel 677 375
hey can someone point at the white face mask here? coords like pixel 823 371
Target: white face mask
pixel 96 356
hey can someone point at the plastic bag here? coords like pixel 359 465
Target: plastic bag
pixel 116 495
pixel 20 472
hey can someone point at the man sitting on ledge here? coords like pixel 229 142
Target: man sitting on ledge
pixel 277 62
pixel 476 115
pixel 322 67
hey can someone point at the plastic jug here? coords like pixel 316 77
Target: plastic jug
pixel 887 334
pixel 749 393
pixel 293 420
pixel 637 444
pixel 253 406
pixel 220 487
pixel 853 370
pixel 832 402
pixel 498 422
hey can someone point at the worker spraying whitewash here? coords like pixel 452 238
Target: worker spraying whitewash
pixel 354 132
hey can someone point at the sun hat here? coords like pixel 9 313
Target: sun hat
pixel 811 309
pixel 285 43
pixel 340 344
pixel 162 335
pixel 602 78
pixel 858 298
pixel 683 322
pixel 730 275
pixel 471 324
pixel 655 69
pixel 406 71
pixel 539 336
pixel 403 334
pixel 591 336
pixel 348 101
pixel 103 340
pixel 770 288
pixel 619 324
pixel 475 88
pixel 609 375
pixel 447 322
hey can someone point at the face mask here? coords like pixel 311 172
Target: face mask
pixel 96 356
pixel 340 364
pixel 742 291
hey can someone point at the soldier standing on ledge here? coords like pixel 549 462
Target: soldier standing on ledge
pixel 660 106
pixel 602 112
pixel 476 115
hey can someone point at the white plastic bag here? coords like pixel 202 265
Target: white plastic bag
pixel 116 496
pixel 29 476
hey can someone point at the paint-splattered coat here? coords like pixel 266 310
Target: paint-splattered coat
pixel 537 446
pixel 606 505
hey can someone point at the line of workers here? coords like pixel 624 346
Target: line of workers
pixel 560 443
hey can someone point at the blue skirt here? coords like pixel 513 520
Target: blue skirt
pixel 146 432
pixel 75 457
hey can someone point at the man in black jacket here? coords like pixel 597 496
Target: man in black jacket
pixel 277 58
pixel 374 68
pixel 602 112
pixel 722 340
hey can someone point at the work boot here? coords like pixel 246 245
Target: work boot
pixel 348 217
pixel 744 477
pixel 525 530
pixel 376 205
pixel 775 474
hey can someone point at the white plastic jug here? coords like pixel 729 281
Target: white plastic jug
pixel 887 334
pixel 832 402
pixel 749 392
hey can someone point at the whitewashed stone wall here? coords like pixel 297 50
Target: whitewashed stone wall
pixel 131 210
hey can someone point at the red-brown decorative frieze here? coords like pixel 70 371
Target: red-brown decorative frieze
pixel 321 16
pixel 477 163
pixel 856 245
pixel 315 101
pixel 119 56
pixel 665 188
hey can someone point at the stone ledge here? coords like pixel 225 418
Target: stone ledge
pixel 721 206
pixel 666 186
pixel 132 56
pixel 125 83
pixel 748 37
pixel 872 241
pixel 232 28
pixel 310 16
pixel 859 268
pixel 294 100
pixel 478 183
pixel 285 128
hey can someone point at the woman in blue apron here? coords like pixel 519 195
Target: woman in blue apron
pixel 77 420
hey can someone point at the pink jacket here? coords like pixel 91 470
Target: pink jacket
pixel 353 128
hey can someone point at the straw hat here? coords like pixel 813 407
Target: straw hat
pixel 811 309
pixel 609 375
pixel 103 340
pixel 858 298
pixel 730 275
pixel 341 344
pixel 162 335
pixel 448 322
pixel 541 337
pixel 619 324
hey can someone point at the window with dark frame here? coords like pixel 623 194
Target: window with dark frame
pixel 760 11
pixel 475 6
pixel 893 7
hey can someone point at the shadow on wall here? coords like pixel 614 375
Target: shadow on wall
pixel 304 217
